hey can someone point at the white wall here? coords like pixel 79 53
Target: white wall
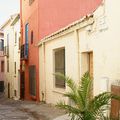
pixel 103 40
pixel 54 94
pixel 14 56
pixel 17 60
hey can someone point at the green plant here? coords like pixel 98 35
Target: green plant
pixel 84 106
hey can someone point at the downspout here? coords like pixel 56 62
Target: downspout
pixel 38 81
pixel 21 42
pixel 78 47
pixel 44 74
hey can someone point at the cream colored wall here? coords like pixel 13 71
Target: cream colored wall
pixel 17 60
pixel 104 41
pixel 14 55
pixel 47 79
pixel 102 38
pixel 8 75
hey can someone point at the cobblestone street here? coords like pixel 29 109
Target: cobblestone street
pixel 25 110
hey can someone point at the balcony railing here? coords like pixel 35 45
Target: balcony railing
pixel 24 51
pixel 6 51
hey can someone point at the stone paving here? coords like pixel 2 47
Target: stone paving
pixel 26 110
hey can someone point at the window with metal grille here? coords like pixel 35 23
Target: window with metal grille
pixel 26 40
pixel 15 37
pixel 2 66
pixel 15 67
pixel 19 44
pixel 1 45
pixel 31 37
pixel 32 79
pixel 30 2
pixel 7 65
pixel 59 67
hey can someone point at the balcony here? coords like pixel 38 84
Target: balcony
pixel 24 52
pixel 6 51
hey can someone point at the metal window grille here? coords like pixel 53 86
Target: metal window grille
pixel 60 67
pixel 32 79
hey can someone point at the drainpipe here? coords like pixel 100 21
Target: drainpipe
pixel 44 74
pixel 78 47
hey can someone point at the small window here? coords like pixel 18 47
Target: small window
pixel 30 2
pixel 7 65
pixel 15 37
pixel 8 40
pixel 15 67
pixel 59 67
pixel 2 66
pixel 19 42
pixel 31 37
pixel 1 45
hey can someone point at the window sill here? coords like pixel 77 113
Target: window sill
pixel 59 90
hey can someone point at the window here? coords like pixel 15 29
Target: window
pixel 59 56
pixel 26 40
pixel 30 2
pixel 15 67
pixel 7 47
pixel 7 65
pixel 15 37
pixel 1 45
pixel 2 66
pixel 32 79
pixel 26 33
pixel 7 39
pixel 19 42
pixel 31 37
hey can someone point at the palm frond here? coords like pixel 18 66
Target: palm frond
pixel 72 111
pixel 85 89
pixel 100 101
pixel 70 83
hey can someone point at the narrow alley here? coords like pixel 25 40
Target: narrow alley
pixel 26 110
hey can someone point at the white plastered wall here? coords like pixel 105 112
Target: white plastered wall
pixel 104 41
pixel 69 42
pixel 14 56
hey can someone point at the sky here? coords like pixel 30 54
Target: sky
pixel 7 8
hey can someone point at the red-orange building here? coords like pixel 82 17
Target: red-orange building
pixel 40 18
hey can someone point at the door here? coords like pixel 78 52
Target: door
pixel 22 85
pixel 91 64
pixel 8 90
pixel 87 65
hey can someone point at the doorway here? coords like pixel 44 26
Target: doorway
pixel 8 90
pixel 87 63
pixel 22 85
